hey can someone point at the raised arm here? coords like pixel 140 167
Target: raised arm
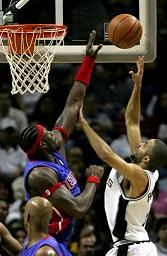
pixel 41 181
pixel 132 172
pixel 9 243
pixel 132 114
pixel 69 115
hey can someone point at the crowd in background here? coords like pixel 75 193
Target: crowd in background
pixel 104 108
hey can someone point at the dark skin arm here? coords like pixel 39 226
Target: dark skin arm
pixel 46 251
pixel 39 181
pixel 68 117
pixel 9 243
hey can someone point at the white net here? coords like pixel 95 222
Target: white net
pixel 29 54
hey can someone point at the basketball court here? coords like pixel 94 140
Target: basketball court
pixel 64 37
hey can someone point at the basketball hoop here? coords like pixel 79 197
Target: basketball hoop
pixel 27 48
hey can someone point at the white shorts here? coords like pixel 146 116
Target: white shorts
pixel 136 249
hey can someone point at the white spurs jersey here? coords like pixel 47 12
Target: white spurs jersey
pixel 126 216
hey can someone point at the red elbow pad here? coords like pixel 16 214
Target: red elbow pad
pixel 52 189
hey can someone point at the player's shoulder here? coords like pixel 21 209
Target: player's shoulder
pixel 40 171
pixel 40 178
pixel 46 251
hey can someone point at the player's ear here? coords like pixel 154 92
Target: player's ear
pixel 43 144
pixel 146 159
pixel 28 217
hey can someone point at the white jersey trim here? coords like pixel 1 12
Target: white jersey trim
pixel 140 197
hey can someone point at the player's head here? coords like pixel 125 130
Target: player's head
pixel 38 213
pixel 161 230
pixel 36 141
pixel 153 153
pixel 87 242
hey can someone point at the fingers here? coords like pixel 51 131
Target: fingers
pixel 89 48
pixel 81 109
pixel 92 38
pixel 81 113
pixel 141 58
pixel 98 48
pixel 140 61
pixel 96 168
pixel 132 74
pixel 140 64
pixel 140 68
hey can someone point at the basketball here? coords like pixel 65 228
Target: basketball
pixel 124 31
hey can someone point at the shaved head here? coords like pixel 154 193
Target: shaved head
pixel 38 212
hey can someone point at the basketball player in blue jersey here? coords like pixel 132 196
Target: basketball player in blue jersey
pixel 47 173
pixel 38 213
pixel 128 193
pixel 8 242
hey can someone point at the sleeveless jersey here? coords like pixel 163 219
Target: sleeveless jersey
pixel 46 241
pixel 61 225
pixel 127 216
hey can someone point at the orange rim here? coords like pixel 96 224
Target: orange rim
pixel 31 27
pixel 30 32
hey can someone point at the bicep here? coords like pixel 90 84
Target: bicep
pixel 41 180
pixel 134 137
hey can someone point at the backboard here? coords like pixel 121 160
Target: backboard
pixel 82 17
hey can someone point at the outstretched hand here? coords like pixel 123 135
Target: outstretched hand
pixel 137 77
pixel 89 47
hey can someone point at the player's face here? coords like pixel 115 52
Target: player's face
pixel 162 233
pixel 52 142
pixel 87 245
pixel 142 150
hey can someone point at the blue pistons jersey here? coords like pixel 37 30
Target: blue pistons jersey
pixel 46 241
pixel 61 225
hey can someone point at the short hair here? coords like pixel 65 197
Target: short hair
pixel 158 155
pixel 28 137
